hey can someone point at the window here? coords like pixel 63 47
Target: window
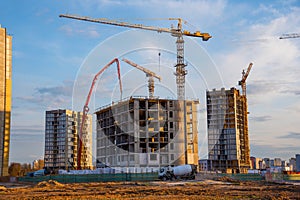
pixel 171 146
pixel 172 156
pixel 131 157
pixel 153 157
pixel 171 114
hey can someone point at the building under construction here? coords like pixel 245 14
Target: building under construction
pixel 227 122
pixel 5 98
pixel 143 132
pixel 61 140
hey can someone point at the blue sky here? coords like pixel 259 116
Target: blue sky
pixel 52 56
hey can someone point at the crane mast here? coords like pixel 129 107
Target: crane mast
pixel 151 75
pixel 178 32
pixel 242 82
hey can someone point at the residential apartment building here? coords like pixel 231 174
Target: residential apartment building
pixel 227 126
pixel 62 140
pixel 255 162
pixel 204 165
pixel 142 132
pixel 292 164
pixel 5 98
pixel 277 162
pixel 297 162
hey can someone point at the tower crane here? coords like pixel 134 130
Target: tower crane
pixel 177 32
pixel 86 105
pixel 242 82
pixel 151 75
pixel 290 35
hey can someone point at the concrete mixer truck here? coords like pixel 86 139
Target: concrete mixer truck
pixel 185 172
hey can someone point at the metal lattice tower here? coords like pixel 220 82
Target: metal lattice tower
pixel 180 69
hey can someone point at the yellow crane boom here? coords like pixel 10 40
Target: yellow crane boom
pixel 176 32
pixel 151 75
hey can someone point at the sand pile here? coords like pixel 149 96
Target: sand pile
pixel 49 183
pixel 226 179
pixel 2 188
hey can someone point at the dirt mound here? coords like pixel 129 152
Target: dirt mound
pixel 2 188
pixel 226 179
pixel 49 184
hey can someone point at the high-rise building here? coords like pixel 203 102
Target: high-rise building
pixel 142 132
pixel 277 162
pixel 297 162
pixel 255 162
pixel 292 164
pixel 62 140
pixel 227 126
pixel 5 98
pixel 267 162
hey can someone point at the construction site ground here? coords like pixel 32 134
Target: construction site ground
pixel 217 188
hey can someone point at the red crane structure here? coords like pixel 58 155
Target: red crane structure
pixel 86 105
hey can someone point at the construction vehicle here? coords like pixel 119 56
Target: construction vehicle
pixel 151 75
pixel 242 82
pixel 290 35
pixel 185 172
pixel 86 105
pixel 176 32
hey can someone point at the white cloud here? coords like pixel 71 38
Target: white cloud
pixel 196 12
pixel 273 81
pixel 71 30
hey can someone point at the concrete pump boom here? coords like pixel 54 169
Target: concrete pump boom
pixel 86 105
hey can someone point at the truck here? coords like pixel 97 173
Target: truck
pixel 183 172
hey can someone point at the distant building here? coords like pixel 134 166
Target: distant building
pixel 284 163
pixel 267 162
pixel 298 162
pixel 5 98
pixel 262 164
pixel 252 162
pixel 62 139
pixel 292 164
pixel 142 132
pixel 255 162
pixel 271 162
pixel 277 162
pixel 227 122
pixel 204 165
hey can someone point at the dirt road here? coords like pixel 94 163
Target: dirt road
pixel 207 189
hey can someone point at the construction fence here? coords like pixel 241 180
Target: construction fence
pixel 269 177
pixel 85 178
